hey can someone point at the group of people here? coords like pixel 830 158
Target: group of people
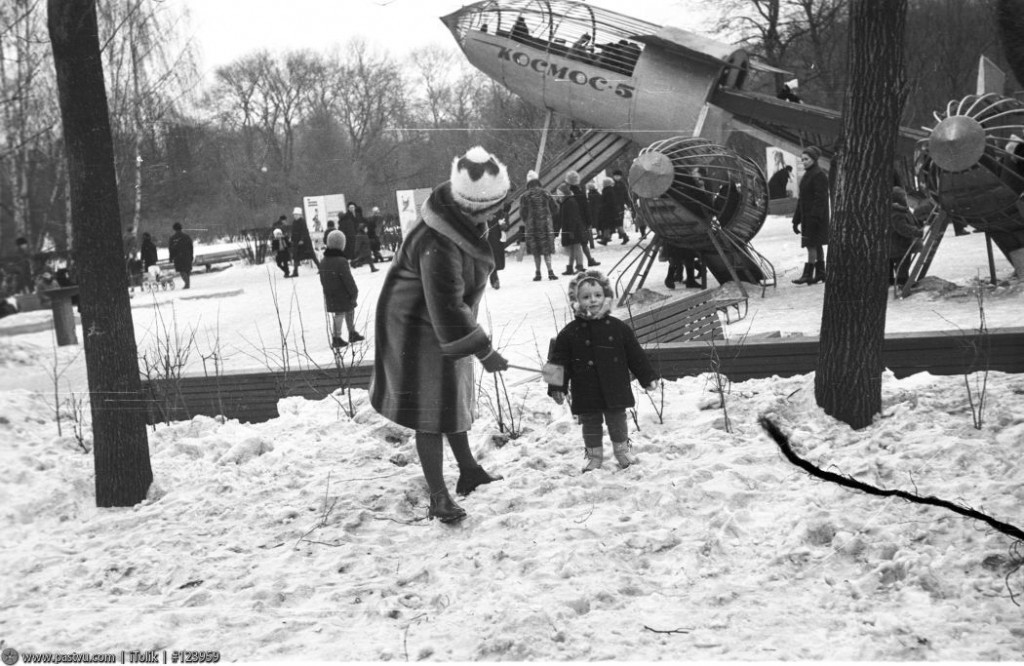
pixel 427 333
pixel 293 245
pixel 573 215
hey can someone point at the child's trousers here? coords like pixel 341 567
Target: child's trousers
pixel 593 436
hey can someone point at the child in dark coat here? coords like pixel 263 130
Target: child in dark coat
pixel 340 291
pixel 598 352
pixel 282 253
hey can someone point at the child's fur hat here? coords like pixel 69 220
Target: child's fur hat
pixel 590 276
pixel 336 240
pixel 478 180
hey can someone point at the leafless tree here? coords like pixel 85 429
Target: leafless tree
pixel 848 382
pixel 120 446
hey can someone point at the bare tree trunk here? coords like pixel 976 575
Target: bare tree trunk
pixel 1011 33
pixel 848 382
pixel 121 449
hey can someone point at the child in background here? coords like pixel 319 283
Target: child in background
pixel 280 248
pixel 340 291
pixel 598 352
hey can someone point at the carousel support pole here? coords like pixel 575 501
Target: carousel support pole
pixel 543 142
pixel 991 260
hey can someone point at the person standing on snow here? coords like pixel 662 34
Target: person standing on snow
pixel 426 325
pixel 180 251
pixel 597 353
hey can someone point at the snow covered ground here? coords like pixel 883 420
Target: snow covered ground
pixel 305 538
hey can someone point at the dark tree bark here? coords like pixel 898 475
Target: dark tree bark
pixel 1011 33
pixel 120 446
pixel 847 384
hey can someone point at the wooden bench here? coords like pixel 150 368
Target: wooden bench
pixel 253 397
pixel 693 317
pixel 207 260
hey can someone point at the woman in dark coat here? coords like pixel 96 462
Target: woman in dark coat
pixel 810 219
pixel 340 291
pixel 609 219
pixel 426 324
pixel 570 221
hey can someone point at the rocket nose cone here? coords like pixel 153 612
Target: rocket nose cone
pixel 456 23
pixel 957 143
pixel 651 174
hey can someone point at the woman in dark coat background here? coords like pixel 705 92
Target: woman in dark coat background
pixel 810 219
pixel 570 221
pixel 426 325
pixel 538 209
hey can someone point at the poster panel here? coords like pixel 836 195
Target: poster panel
pixel 784 172
pixel 409 204
pixel 315 211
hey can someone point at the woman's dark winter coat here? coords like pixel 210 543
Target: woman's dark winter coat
pixel 180 251
pixel 570 221
pixel 302 246
pixel 147 252
pixel 598 356
pixel 811 215
pixel 594 206
pixel 609 220
pixel 426 329
pixel 347 224
pixel 340 290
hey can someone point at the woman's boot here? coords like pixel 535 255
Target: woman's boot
pixel 808 274
pixel 444 508
pixel 568 270
pixel 472 478
pixel 819 272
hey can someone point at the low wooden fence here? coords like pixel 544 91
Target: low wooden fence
pixel 253 397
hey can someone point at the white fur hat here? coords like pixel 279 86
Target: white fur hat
pixel 531 175
pixel 336 240
pixel 478 180
pixel 278 233
pixel 297 210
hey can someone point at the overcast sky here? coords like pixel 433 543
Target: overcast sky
pixel 227 29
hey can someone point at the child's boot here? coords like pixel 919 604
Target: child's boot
pixel 624 453
pixel 594 457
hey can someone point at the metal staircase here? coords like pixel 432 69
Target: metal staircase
pixel 588 155
pixel 934 229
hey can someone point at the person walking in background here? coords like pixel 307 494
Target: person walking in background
pixel 301 246
pixel 597 353
pixel 340 291
pixel 594 209
pixel 537 209
pixel 348 224
pixel 373 229
pixel 571 223
pixel 609 218
pixel 496 227
pixel 180 251
pixel 621 201
pixel 362 254
pixel 147 252
pixel 810 219
pixel 572 179
pixel 426 325
pixel 282 254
